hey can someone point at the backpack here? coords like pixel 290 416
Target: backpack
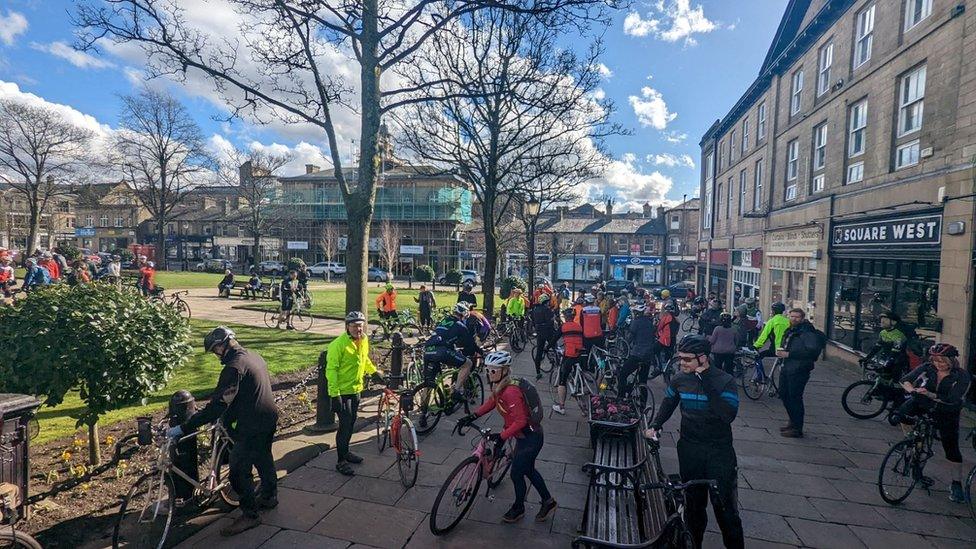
pixel 532 400
pixel 821 340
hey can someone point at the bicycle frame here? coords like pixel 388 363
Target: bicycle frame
pixel 164 463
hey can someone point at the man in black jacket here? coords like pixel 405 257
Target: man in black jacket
pixel 243 395
pixel 710 318
pixel 802 344
pixel 709 403
pixel 544 320
pixel 643 349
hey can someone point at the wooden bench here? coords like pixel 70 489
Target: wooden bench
pixel 243 290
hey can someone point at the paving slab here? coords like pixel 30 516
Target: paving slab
pixel 293 539
pixel 824 534
pixel 314 479
pixel 874 538
pixel 298 510
pixel 801 485
pixel 848 512
pixel 768 527
pixel 210 538
pixel 781 504
pixel 926 523
pixel 371 523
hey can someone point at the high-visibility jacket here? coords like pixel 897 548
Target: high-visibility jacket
pixel 775 326
pixel 591 322
pixel 612 315
pixel 572 334
pixel 515 307
pixel 666 329
pixel 386 302
pixel 346 365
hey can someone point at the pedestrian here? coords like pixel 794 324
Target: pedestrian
pixel 775 326
pixel 513 404
pixel 802 344
pixel 36 276
pixel 709 403
pixel 288 294
pixel 226 284
pixel 8 278
pixel 725 341
pixel 544 322
pixel 147 278
pixel 748 317
pixel 254 284
pixel 244 402
pixel 80 273
pixel 347 363
pixel 466 295
pixel 710 317
pixel 565 295
pixel 426 305
pixel 48 263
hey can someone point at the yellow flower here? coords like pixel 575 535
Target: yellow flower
pixel 85 486
pixel 109 440
pixel 65 456
pixel 77 443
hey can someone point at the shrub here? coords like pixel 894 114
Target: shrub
pixel 295 263
pixel 453 276
pixel 69 251
pixel 124 253
pixel 512 282
pixel 112 346
pixel 423 273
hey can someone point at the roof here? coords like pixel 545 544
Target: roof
pixel 690 204
pixel 208 214
pixel 400 172
pixel 602 225
pixel 95 192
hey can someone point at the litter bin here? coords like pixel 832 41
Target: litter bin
pixel 16 412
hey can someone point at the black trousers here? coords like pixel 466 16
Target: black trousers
pixel 639 364
pixel 252 451
pixel 792 382
pixel 543 340
pixel 425 317
pixel 714 462
pixel 527 449
pixel 347 412
pixel 724 361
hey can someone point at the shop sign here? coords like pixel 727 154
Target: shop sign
pixel 637 260
pixel 720 257
pixel 800 242
pixel 297 245
pixel 85 231
pixel 411 250
pixel 786 263
pixel 924 230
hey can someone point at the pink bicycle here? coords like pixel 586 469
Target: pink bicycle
pixel 461 486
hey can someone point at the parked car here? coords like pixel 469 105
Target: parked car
pixel 375 274
pixel 217 265
pixel 618 287
pixel 275 268
pixel 467 276
pixel 320 268
pixel 678 289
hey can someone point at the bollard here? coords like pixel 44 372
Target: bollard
pixel 324 414
pixel 396 361
pixel 181 406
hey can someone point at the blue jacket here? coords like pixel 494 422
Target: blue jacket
pixel 37 276
pixel 624 314
pixel 452 333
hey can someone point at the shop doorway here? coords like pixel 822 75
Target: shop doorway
pixel 635 274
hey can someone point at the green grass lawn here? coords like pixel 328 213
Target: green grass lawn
pixel 187 280
pixel 284 352
pixel 331 302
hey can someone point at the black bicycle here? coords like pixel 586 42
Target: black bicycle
pixel 903 465
pixel 877 392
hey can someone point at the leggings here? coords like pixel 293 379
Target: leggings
pixel 724 361
pixel 347 413
pixel 523 465
pixel 543 339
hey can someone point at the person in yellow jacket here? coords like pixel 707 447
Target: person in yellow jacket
pixel 776 326
pixel 386 303
pixel 347 363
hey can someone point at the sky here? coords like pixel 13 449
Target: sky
pixel 671 68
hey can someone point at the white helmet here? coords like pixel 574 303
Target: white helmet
pixel 462 308
pixel 499 359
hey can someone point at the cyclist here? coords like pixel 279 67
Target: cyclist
pixel 515 308
pixel 802 344
pixel 226 284
pixel 386 303
pixel 749 318
pixel 725 341
pixel 347 364
pixel 541 289
pixel 698 305
pixel 668 299
pixel 289 293
pixel 303 276
pixel 507 397
pixel 666 332
pixel 467 296
pixel 709 318
pixel 591 320
pixel 938 387
pixel 36 276
pixel 114 270
pixel 709 403
pixel 775 326
pixel 891 345
pixel 147 278
pixel 544 322
pixel 571 332
pixel 441 349
pixel 243 399
pixel 643 349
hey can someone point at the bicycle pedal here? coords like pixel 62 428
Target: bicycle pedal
pixel 491 497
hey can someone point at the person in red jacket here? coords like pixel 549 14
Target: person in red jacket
pixel 591 319
pixel 572 335
pixel 147 278
pixel 507 398
pixel 53 269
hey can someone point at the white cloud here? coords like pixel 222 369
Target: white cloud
pixel 9 90
pixel 628 185
pixel 80 59
pixel 11 25
pixel 650 108
pixel 671 160
pixel 604 70
pixel 675 137
pixel 301 154
pixel 671 21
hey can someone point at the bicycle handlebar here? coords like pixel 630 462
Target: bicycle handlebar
pixel 681 486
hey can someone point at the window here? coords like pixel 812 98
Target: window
pixel 732 147
pixel 648 245
pixel 675 222
pixel 757 186
pixel 791 192
pixel 593 244
pixel 916 11
pixel 825 60
pixel 855 172
pixel 89 220
pixel 64 207
pixel 721 156
pixel 119 221
pixel 820 147
pixel 745 136
pixel 207 229
pixel 858 129
pixel 622 245
pixel 742 192
pixel 792 159
pixel 674 245
pixel 761 123
pixel 819 182
pixel 719 198
pixel 864 38
pixel 728 202
pixel 709 169
pixel 103 220
pixel 707 218
pixel 795 94
pixel 911 102
pixel 70 223
pixel 907 154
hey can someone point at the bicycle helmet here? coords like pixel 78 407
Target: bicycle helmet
pixel 355 316
pixel 569 313
pixel 725 317
pixel 694 344
pixel 750 301
pixel 219 335
pixel 944 349
pixel 461 308
pixel 389 286
pixel 544 298
pixel 665 294
pixel 893 316
pixel 498 359
pixel 468 286
pixel 778 308
pixel 589 300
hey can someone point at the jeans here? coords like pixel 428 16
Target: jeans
pixel 725 362
pixel 425 317
pixel 523 465
pixel 792 382
pixel 347 413
pixel 252 451
pixel 716 462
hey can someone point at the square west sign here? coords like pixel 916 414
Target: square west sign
pixel 918 230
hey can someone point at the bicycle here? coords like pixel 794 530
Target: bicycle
pixel 755 380
pixel 404 323
pixel 514 330
pixel 870 397
pixel 901 469
pixel 299 320
pixel 12 538
pixel 461 486
pixel 580 384
pixel 437 399
pixel 397 429
pixel 174 300
pixel 690 324
pixel 146 514
pixel 617 343
pixel 971 478
pixel 605 365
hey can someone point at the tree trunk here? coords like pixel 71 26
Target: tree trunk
pixel 357 256
pixel 94 446
pixel 34 230
pixel 256 249
pixel 161 244
pixel 491 267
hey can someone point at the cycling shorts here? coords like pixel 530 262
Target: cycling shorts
pixel 436 358
pixel 287 303
pixel 566 368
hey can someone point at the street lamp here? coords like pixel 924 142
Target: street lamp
pixel 532 207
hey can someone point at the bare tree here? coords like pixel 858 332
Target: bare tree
pixel 520 110
pixel 252 176
pixel 557 188
pixel 390 235
pixel 329 241
pixel 42 153
pixel 292 43
pixel 161 152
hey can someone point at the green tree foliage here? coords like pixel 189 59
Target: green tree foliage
pixel 512 282
pixel 295 263
pixel 69 251
pixel 453 276
pixel 423 273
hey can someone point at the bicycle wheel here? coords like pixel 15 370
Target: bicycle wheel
pixel 860 401
pixel 753 385
pixel 971 492
pixel 146 514
pixel 227 493
pixel 182 308
pixel 549 362
pixel 455 496
pixel 474 388
pixel 517 340
pixel 687 324
pixel 302 321
pixel 384 411
pixel 16 539
pixel 271 319
pixel 410 330
pixel 408 461
pixel 621 348
pixel 582 390
pixel 502 465
pixel 436 402
pixel 669 369
pixel 898 473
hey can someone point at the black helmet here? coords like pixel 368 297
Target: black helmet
pixel 695 344
pixel 220 334
pixel 725 317
pixel 355 316
pixel 893 316
pixel 778 308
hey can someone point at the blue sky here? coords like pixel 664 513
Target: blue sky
pixel 674 67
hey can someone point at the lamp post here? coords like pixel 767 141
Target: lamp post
pixel 532 207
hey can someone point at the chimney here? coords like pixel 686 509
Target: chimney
pixel 609 208
pixel 311 168
pixel 660 212
pixel 648 210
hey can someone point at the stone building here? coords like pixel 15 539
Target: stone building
pixel 845 172
pixel 57 220
pixel 682 223
pixel 108 216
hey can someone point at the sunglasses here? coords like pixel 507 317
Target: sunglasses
pixel 493 371
pixel 688 358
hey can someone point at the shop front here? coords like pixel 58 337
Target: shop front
pixel 517 264
pixel 713 273
pixel 880 264
pixel 636 268
pixel 792 258
pixel 580 267
pixel 746 275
